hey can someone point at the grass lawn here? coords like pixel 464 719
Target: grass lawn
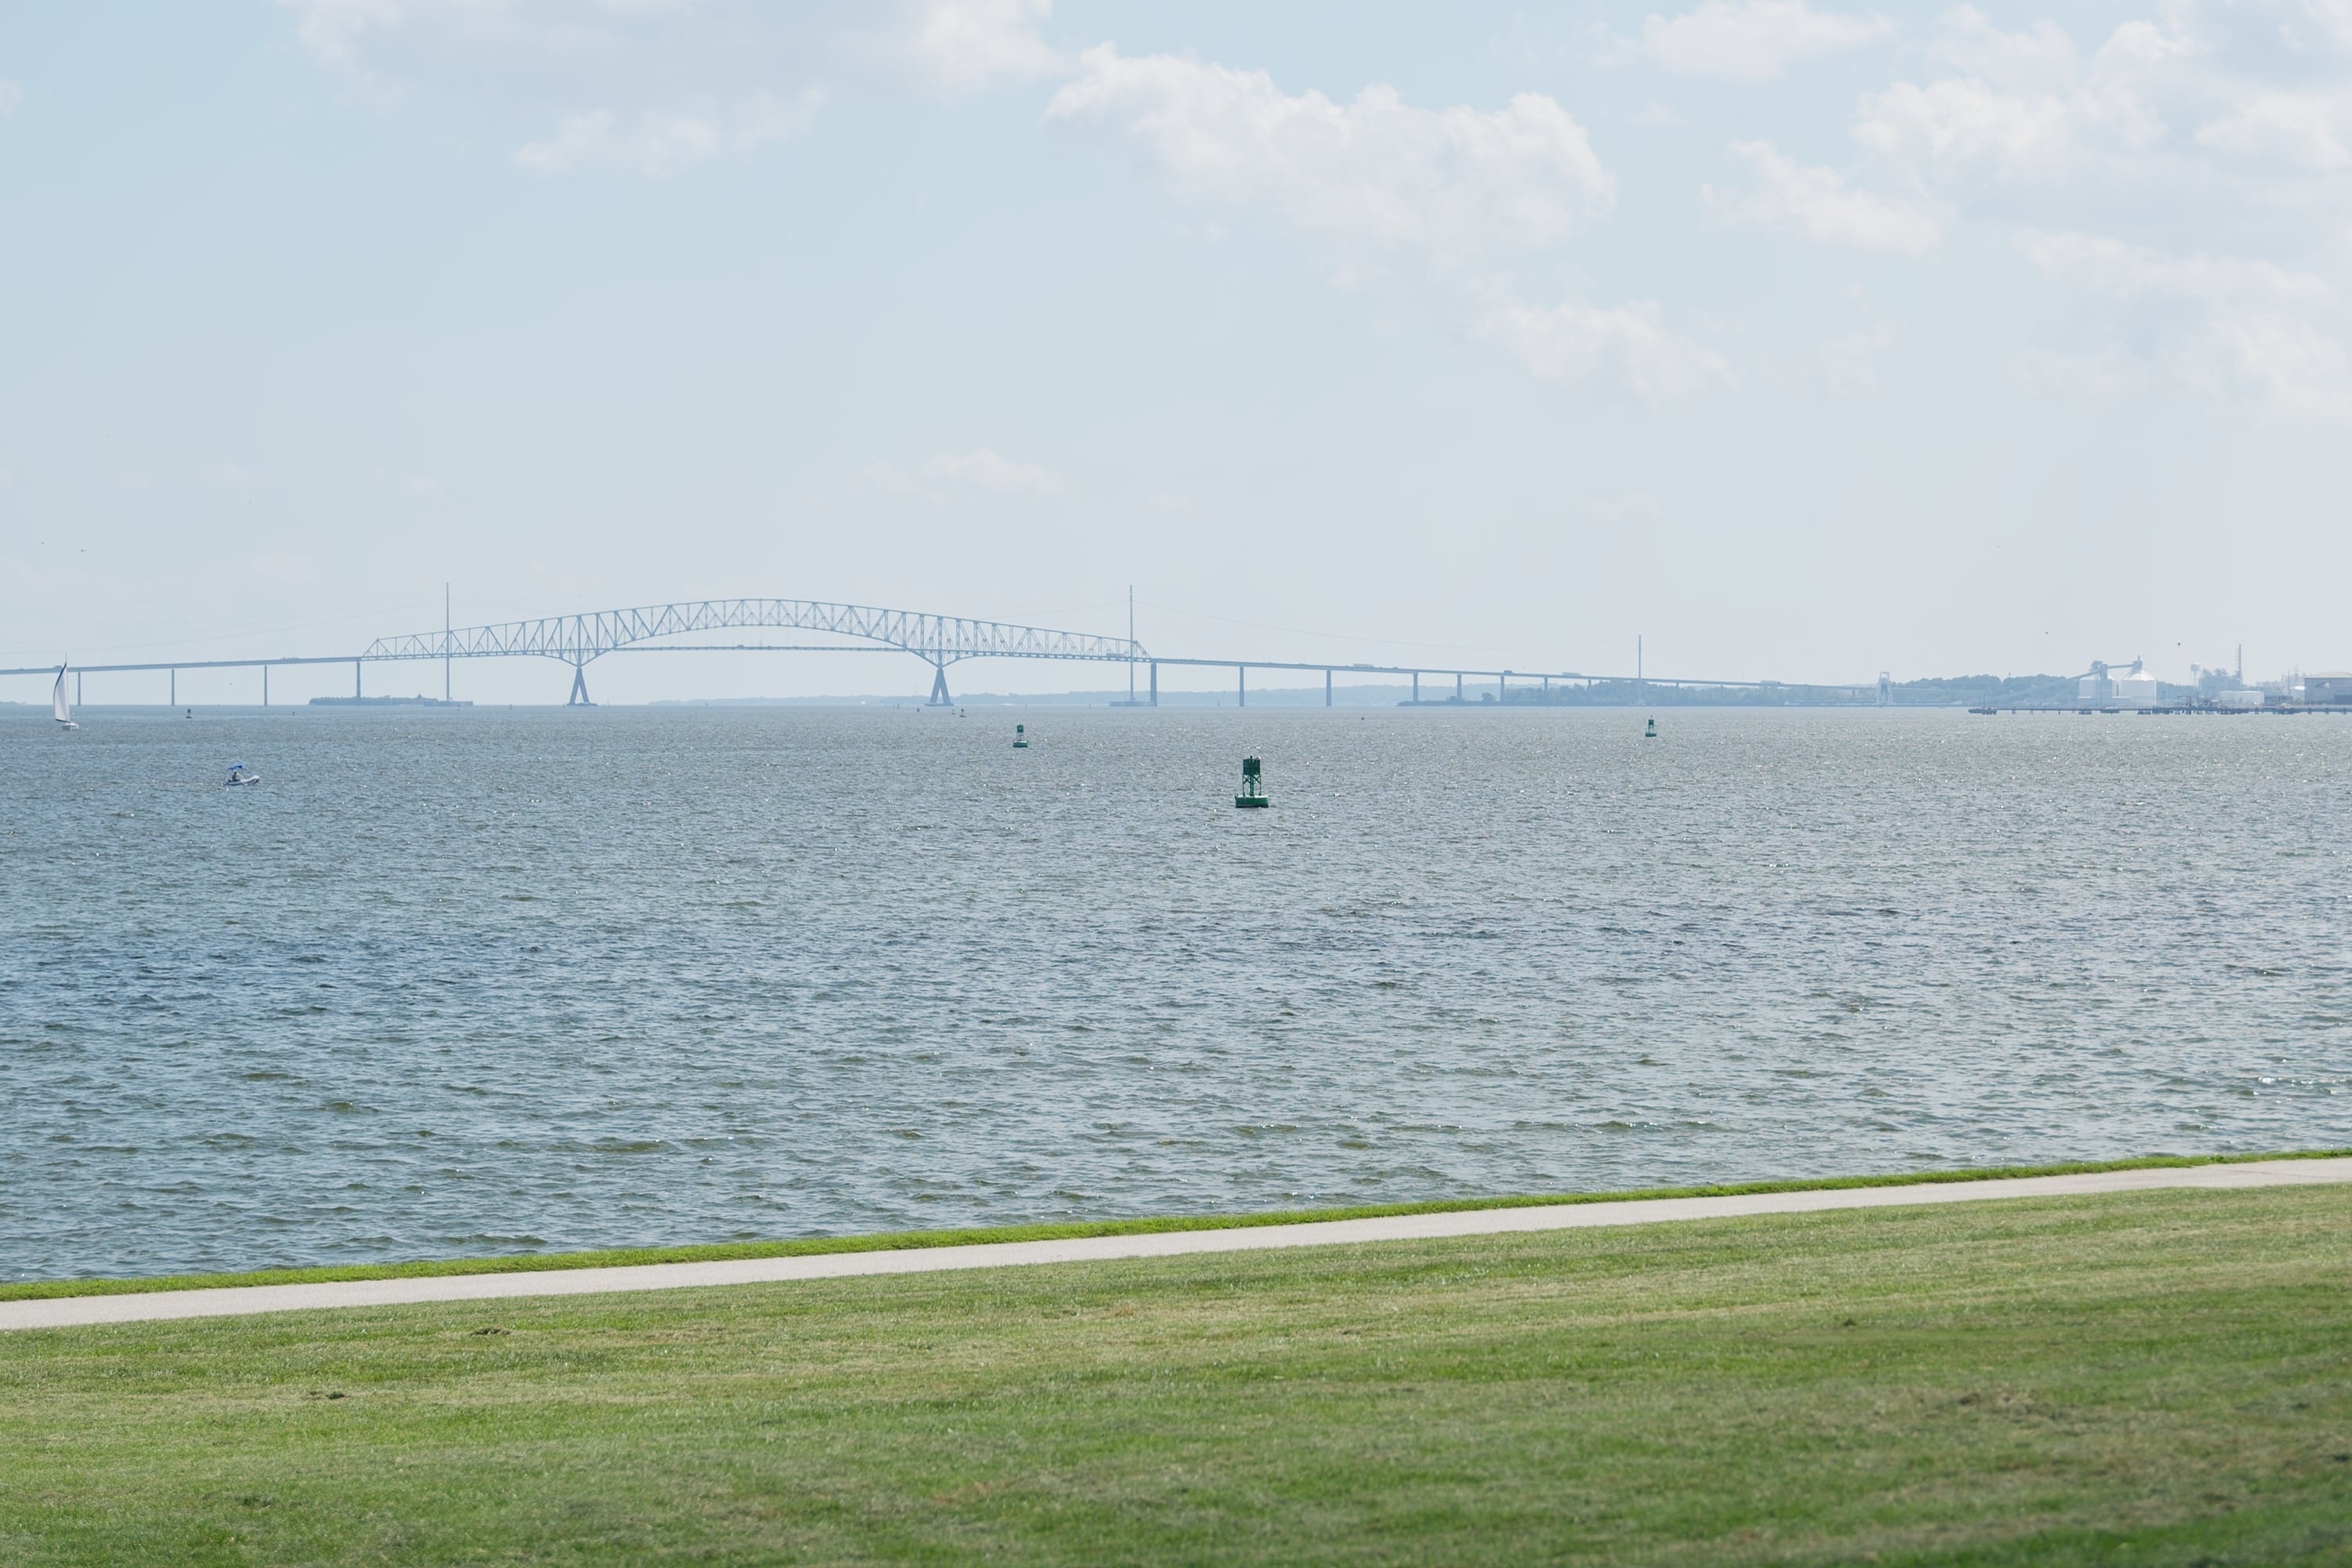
pixel 2149 1378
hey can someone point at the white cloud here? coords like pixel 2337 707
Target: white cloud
pixel 1447 183
pixel 575 39
pixel 338 31
pixel 1447 187
pixel 2231 327
pixel 2303 130
pixel 2219 100
pixel 663 144
pixel 1821 205
pixel 2213 117
pixel 657 86
pixel 2331 18
pixel 2131 272
pixel 979 468
pixel 1628 343
pixel 1458 190
pixel 884 477
pixel 1749 40
pixel 11 95
pixel 1850 360
pixel 2042 55
pixel 664 46
pixel 984 469
pixel 960 45
pixel 1945 127
pixel 2028 113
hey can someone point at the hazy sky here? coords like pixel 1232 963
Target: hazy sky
pixel 1803 342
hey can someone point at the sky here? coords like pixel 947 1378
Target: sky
pixel 1798 342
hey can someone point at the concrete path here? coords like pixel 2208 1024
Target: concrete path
pixel 80 1309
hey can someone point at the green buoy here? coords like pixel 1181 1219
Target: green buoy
pixel 1020 737
pixel 1253 785
pixel 1652 732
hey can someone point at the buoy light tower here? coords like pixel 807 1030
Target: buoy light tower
pixel 1020 737
pixel 1253 785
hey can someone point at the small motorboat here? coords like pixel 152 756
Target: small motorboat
pixel 238 774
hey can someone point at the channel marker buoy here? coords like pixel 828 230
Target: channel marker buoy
pixel 1020 737
pixel 1253 785
pixel 1652 732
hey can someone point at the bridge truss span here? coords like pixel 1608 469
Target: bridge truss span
pixel 938 640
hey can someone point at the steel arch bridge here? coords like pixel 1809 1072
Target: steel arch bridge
pixel 938 640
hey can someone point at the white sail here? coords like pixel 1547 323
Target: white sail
pixel 57 703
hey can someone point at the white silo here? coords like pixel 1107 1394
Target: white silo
pixel 2136 688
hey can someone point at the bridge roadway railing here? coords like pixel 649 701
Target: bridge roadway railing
pixel 938 640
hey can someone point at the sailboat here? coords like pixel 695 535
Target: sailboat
pixel 57 703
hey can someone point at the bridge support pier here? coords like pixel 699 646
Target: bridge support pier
pixel 1241 686
pixel 1155 683
pixel 1416 686
pixel 175 689
pixel 940 698
pixel 1457 686
pixel 579 698
pixel 1326 688
pixel 355 680
pixel 265 687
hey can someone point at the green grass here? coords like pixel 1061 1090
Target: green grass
pixel 2156 1378
pixel 885 1241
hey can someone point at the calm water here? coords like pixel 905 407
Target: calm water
pixel 464 982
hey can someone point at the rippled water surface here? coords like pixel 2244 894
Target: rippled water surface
pixel 499 980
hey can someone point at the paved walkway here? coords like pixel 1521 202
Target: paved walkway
pixel 78 1310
